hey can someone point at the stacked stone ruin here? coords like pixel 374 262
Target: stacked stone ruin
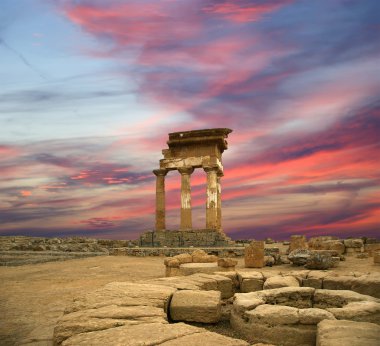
pixel 187 151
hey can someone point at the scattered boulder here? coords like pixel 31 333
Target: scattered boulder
pixel 319 260
pixel 299 257
pixel 269 261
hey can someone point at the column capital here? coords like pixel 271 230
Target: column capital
pixel 160 172
pixel 186 170
pixel 210 168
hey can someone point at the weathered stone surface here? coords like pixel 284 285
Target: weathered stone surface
pixel 280 281
pixel 254 255
pixel 338 333
pixel 124 294
pixel 227 262
pixel 184 258
pixel 269 261
pixel 193 268
pixel 368 284
pixel 327 243
pixel 314 279
pixel 318 260
pixel 273 314
pixel 300 275
pixel 250 281
pixel 106 317
pixel 224 284
pixel 138 334
pixel 172 262
pixel 299 257
pixel 196 306
pixel 353 243
pixel 338 298
pixel 200 256
pixel 364 311
pixel 290 318
pixel 314 315
pixel 297 242
pixel 205 338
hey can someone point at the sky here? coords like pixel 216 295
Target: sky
pixel 90 90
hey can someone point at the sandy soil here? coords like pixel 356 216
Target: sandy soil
pixel 34 296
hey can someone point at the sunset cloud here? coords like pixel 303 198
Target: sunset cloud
pixel 298 82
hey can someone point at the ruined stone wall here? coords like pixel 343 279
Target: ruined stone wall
pixel 195 238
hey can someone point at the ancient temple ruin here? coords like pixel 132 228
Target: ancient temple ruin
pixel 187 151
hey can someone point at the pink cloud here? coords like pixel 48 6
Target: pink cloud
pixel 243 11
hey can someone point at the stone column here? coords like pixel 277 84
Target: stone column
pixel 186 222
pixel 160 198
pixel 212 197
pixel 219 201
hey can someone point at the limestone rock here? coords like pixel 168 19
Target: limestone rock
pixel 250 281
pixel 299 257
pixel 125 294
pixel 205 338
pixel 200 256
pixel 280 281
pixel 338 298
pixel 184 258
pixel 172 263
pixel 364 311
pixel 130 335
pixel 319 260
pixel 297 242
pixel 196 306
pixel 314 315
pixel 254 255
pixel 106 317
pixel 227 262
pixel 314 279
pixel 353 243
pixel 269 261
pixel 338 333
pixel 193 268
pixel 273 314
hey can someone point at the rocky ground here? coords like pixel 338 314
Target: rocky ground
pixel 35 295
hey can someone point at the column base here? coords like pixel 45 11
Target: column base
pixel 185 238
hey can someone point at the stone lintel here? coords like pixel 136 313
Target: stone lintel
pixel 196 162
pixel 200 137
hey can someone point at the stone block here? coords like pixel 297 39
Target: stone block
pixel 299 257
pixel 250 281
pixel 227 262
pixel 338 333
pixel 297 242
pixel 273 314
pixel 280 281
pixel 353 243
pixel 254 255
pixel 193 268
pixel 314 315
pixel 196 306
pixel 319 260
pixel 314 279
pixel 184 258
